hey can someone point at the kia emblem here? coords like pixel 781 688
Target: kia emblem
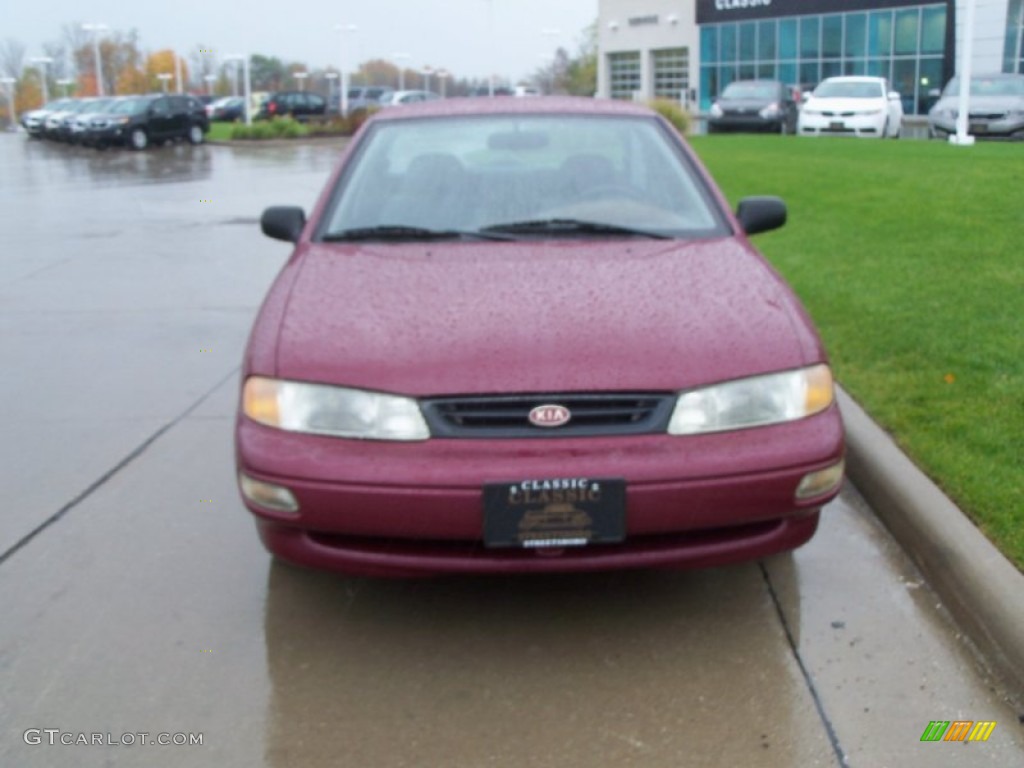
pixel 549 416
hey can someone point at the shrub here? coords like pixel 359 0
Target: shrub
pixel 672 112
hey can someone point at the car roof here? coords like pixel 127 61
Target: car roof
pixel 854 79
pixel 547 105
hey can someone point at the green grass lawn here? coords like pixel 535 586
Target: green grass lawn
pixel 220 131
pixel 910 257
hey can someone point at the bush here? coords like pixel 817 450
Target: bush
pixel 674 113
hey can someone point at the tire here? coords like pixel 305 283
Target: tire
pixel 195 134
pixel 138 139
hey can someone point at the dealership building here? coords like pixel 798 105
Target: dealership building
pixel 690 51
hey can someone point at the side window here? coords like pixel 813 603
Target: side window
pixel 179 104
pixel 316 103
pixel 161 107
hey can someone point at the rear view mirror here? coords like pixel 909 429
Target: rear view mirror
pixel 761 214
pixel 283 222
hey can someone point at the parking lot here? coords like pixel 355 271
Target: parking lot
pixel 137 597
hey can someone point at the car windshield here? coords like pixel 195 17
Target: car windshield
pixel 750 91
pixel 989 86
pixel 521 173
pixel 848 90
pixel 131 106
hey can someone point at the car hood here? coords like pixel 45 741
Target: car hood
pixel 845 105
pixel 467 318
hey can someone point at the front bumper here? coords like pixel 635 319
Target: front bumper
pixel 1009 127
pixel 746 123
pixel 417 509
pixel 862 126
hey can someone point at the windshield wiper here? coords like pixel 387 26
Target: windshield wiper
pixel 404 232
pixel 571 227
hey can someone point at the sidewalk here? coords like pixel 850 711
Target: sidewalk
pixel 981 588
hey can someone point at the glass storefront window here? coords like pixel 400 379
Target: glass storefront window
pixel 766 70
pixel 809 44
pixel 708 86
pixel 880 33
pixel 787 73
pixel 906 31
pixel 708 45
pixel 766 40
pixel 933 30
pixel 904 80
pixel 856 36
pixel 832 36
pixel 809 74
pixel 878 68
pixel 855 67
pixel 787 39
pixel 727 52
pixel 748 41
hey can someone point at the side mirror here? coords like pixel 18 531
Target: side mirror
pixel 761 214
pixel 283 222
pixel 894 96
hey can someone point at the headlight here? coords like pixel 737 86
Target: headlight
pixel 808 111
pixel 869 112
pixel 716 111
pixel 753 402
pixel 337 411
pixel 124 120
pixel 772 110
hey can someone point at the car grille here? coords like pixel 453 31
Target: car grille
pixel 986 115
pixel 838 114
pixel 508 415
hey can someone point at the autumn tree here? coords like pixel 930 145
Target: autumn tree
pixel 163 62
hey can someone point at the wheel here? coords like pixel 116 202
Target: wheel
pixel 138 139
pixel 195 134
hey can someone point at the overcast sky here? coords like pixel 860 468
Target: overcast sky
pixel 449 34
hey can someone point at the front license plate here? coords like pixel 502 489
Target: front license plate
pixel 555 512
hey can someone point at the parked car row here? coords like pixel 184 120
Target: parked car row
pixel 867 107
pixel 132 121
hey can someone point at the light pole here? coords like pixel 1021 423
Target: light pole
pixel 177 73
pixel 9 82
pixel 490 45
pixel 443 75
pixel 248 84
pixel 426 72
pixel 44 60
pixel 341 29
pixel 401 68
pixel 96 29
pixel 210 80
pixel 163 77
pixel 331 77
pixel 301 77
pixel 961 137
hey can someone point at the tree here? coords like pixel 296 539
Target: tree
pixel 267 73
pixel 581 75
pixel 12 58
pixel 163 62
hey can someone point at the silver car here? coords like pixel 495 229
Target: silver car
pixel 995 108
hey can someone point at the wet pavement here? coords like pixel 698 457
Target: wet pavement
pixel 136 598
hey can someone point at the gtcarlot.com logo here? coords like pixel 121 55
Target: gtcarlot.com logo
pixel 958 730
pixel 54 736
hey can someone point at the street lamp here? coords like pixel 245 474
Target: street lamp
pixel 210 79
pixel 248 84
pixel 44 60
pixel 490 45
pixel 427 71
pixel 163 77
pixel 96 29
pixel 301 77
pixel 331 77
pixel 9 82
pixel 341 29
pixel 401 69
pixel 443 75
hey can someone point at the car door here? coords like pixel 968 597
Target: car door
pixel 160 118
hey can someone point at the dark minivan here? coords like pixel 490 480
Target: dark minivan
pixel 754 105
pixel 298 104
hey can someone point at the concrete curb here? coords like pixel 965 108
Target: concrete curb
pixel 981 588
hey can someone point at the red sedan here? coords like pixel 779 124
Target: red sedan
pixel 522 335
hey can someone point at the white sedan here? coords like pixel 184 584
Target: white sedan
pixel 852 106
